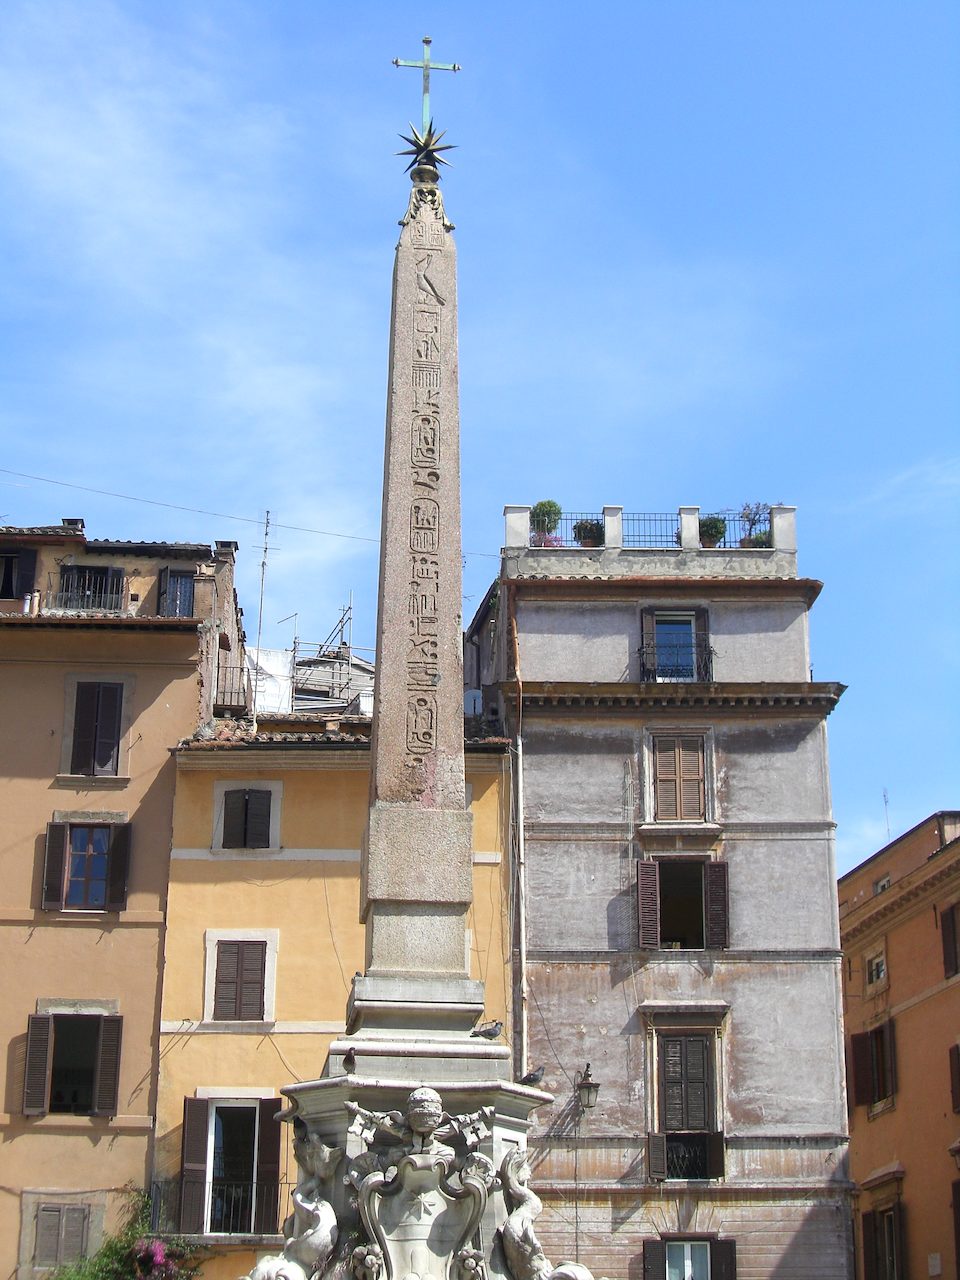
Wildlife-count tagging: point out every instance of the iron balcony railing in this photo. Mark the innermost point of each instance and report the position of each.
(651, 529)
(744, 529)
(88, 595)
(688, 1155)
(572, 529)
(218, 1207)
(689, 659)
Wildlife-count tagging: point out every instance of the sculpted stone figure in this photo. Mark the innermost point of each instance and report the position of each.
(521, 1248)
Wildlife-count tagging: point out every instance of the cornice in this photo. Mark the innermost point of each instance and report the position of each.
(808, 698)
(645, 586)
(894, 901)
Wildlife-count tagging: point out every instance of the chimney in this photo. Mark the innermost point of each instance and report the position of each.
(73, 523)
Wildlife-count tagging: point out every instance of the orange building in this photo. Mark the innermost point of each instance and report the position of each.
(900, 933)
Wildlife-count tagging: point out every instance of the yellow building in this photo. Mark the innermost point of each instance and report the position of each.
(263, 939)
(111, 652)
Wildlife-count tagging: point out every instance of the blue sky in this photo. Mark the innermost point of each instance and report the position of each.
(708, 254)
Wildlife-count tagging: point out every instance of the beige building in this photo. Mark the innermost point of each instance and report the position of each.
(263, 939)
(111, 652)
(900, 932)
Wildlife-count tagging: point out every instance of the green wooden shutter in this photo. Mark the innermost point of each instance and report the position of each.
(648, 904)
(54, 866)
(654, 1260)
(252, 970)
(258, 820)
(84, 728)
(38, 1064)
(266, 1216)
(106, 1080)
(74, 1220)
(234, 819)
(948, 936)
(118, 869)
(666, 779)
(692, 793)
(46, 1251)
(193, 1165)
(107, 745)
(715, 906)
(226, 983)
(656, 1156)
(723, 1260)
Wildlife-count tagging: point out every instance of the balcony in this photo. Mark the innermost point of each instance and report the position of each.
(88, 590)
(217, 1207)
(688, 659)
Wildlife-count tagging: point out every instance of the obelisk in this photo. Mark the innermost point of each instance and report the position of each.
(417, 881)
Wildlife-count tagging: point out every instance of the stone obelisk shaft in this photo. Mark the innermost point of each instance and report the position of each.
(417, 872)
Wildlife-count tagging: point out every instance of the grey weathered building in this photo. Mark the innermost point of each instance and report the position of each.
(675, 905)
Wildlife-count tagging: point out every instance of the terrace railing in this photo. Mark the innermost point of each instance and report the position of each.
(656, 530)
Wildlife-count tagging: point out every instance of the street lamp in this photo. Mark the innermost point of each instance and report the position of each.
(587, 1089)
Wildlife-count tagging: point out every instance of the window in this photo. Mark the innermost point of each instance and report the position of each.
(881, 885)
(230, 1166)
(72, 1064)
(689, 1260)
(950, 937)
(246, 819)
(61, 1236)
(86, 866)
(688, 1144)
(874, 1065)
(239, 982)
(875, 970)
(175, 593)
(675, 645)
(90, 587)
(678, 779)
(17, 571)
(954, 1059)
(682, 904)
(883, 1243)
(96, 729)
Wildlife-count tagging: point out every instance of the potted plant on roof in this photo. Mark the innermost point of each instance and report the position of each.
(589, 532)
(753, 514)
(712, 530)
(544, 518)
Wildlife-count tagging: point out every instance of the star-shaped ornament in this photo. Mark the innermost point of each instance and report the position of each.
(425, 148)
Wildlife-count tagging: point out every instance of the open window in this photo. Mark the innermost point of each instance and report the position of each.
(17, 573)
(882, 1240)
(90, 589)
(230, 1166)
(675, 646)
(688, 1144)
(689, 1259)
(72, 1064)
(682, 904)
(86, 866)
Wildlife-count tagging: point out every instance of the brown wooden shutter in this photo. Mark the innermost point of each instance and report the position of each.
(46, 1251)
(890, 1058)
(54, 866)
(948, 936)
(118, 868)
(226, 981)
(716, 905)
(253, 962)
(266, 1217)
(723, 1260)
(73, 1232)
(692, 793)
(234, 819)
(107, 749)
(84, 728)
(955, 1197)
(648, 904)
(672, 1078)
(703, 667)
(955, 1077)
(163, 583)
(258, 820)
(899, 1234)
(26, 570)
(193, 1165)
(697, 1082)
(666, 779)
(868, 1237)
(106, 1080)
(656, 1156)
(38, 1064)
(654, 1260)
(861, 1060)
(716, 1155)
(648, 640)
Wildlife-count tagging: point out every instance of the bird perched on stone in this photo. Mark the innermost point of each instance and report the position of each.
(349, 1060)
(532, 1077)
(488, 1030)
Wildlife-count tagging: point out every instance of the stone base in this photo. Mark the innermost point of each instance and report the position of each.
(437, 1006)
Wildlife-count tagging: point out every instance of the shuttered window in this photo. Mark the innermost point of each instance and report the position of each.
(246, 818)
(175, 593)
(72, 1064)
(874, 1065)
(96, 729)
(17, 571)
(244, 1181)
(61, 1235)
(688, 1144)
(950, 939)
(239, 983)
(882, 1242)
(86, 866)
(699, 1259)
(682, 904)
(679, 789)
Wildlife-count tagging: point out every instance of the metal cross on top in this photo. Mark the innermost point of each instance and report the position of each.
(427, 67)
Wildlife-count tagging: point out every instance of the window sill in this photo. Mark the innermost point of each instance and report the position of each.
(253, 850)
(240, 1240)
(681, 826)
(90, 782)
(57, 1122)
(880, 1108)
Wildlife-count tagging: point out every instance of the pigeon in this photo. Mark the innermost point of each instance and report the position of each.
(532, 1077)
(488, 1030)
(349, 1060)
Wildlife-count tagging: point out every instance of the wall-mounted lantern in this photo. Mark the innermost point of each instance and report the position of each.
(587, 1089)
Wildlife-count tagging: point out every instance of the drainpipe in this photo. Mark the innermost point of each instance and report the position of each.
(521, 841)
